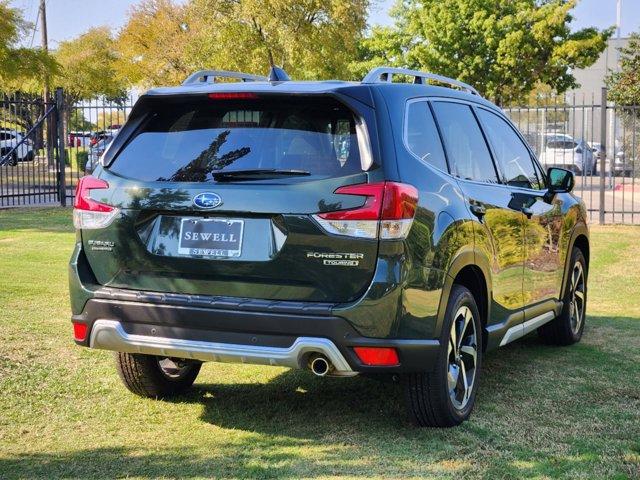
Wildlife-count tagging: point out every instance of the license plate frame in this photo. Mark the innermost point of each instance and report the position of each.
(202, 251)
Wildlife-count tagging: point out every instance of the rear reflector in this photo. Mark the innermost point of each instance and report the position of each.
(233, 96)
(88, 213)
(387, 212)
(80, 331)
(377, 356)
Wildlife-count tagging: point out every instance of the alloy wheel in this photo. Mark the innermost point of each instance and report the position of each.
(462, 357)
(577, 299)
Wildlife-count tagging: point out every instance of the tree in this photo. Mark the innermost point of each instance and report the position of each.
(153, 44)
(502, 47)
(87, 67)
(78, 122)
(624, 85)
(624, 90)
(110, 117)
(162, 43)
(384, 46)
(19, 66)
(309, 38)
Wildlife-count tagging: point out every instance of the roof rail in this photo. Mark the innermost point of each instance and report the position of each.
(385, 75)
(203, 76)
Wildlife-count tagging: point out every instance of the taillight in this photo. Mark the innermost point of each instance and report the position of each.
(88, 213)
(378, 356)
(80, 331)
(387, 213)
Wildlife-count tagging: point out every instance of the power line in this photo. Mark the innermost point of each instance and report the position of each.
(35, 29)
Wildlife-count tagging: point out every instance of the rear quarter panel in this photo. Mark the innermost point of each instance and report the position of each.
(412, 276)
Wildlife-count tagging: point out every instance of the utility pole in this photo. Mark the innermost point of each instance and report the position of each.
(613, 121)
(45, 41)
(618, 18)
(50, 128)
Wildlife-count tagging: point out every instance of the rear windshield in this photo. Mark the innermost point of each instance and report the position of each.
(192, 140)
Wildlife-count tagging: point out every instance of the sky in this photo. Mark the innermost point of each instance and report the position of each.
(69, 18)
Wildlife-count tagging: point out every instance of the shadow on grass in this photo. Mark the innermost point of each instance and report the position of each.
(299, 426)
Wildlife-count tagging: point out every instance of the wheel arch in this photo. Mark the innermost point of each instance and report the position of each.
(579, 239)
(473, 275)
(582, 242)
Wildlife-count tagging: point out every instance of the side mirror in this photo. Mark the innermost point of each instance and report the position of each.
(560, 180)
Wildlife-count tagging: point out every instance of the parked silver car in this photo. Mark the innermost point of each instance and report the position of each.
(622, 165)
(565, 152)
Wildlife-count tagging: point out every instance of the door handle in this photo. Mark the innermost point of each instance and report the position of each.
(528, 212)
(478, 210)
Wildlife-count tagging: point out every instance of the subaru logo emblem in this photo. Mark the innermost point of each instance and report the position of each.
(207, 200)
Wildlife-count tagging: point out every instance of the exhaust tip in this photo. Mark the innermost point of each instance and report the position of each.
(319, 365)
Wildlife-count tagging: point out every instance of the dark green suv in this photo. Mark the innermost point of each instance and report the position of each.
(374, 227)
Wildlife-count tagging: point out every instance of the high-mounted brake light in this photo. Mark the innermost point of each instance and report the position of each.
(387, 212)
(233, 96)
(88, 213)
(378, 356)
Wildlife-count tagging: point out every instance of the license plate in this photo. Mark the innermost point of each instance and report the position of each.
(211, 237)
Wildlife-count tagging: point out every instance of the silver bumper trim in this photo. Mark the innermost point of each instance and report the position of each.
(110, 335)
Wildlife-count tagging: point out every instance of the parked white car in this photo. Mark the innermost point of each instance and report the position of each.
(565, 152)
(9, 139)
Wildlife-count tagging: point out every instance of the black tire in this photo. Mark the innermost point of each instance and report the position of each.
(567, 328)
(428, 394)
(144, 376)
(13, 162)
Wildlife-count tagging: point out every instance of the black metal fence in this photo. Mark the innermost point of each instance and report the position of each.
(598, 142)
(30, 157)
(90, 127)
(62, 141)
(46, 146)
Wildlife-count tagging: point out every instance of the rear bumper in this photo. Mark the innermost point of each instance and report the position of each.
(110, 335)
(239, 334)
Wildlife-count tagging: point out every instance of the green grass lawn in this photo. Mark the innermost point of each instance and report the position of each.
(542, 412)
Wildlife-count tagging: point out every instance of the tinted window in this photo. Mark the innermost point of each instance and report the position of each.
(511, 153)
(6, 136)
(467, 150)
(562, 144)
(422, 136)
(190, 141)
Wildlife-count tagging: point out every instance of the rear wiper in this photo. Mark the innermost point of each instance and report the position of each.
(257, 174)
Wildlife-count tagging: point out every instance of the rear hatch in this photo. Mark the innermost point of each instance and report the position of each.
(560, 152)
(216, 195)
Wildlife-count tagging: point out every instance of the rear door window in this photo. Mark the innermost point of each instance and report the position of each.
(511, 152)
(421, 135)
(467, 150)
(191, 141)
